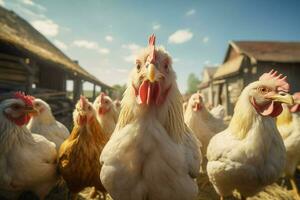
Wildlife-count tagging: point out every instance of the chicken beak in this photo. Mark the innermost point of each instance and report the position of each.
(30, 110)
(283, 98)
(151, 72)
(297, 101)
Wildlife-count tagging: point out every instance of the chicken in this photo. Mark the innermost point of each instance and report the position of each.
(218, 112)
(78, 159)
(201, 121)
(184, 106)
(117, 104)
(288, 124)
(45, 124)
(151, 154)
(107, 113)
(250, 153)
(27, 160)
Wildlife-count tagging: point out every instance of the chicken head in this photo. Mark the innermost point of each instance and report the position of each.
(153, 75)
(103, 104)
(84, 112)
(196, 102)
(267, 94)
(19, 108)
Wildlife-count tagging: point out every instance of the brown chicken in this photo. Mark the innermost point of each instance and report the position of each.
(79, 154)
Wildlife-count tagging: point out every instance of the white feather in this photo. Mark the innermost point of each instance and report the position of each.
(46, 125)
(27, 161)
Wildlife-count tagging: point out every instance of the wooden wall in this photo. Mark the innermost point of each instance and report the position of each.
(51, 78)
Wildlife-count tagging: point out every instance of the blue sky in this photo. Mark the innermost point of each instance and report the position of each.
(105, 35)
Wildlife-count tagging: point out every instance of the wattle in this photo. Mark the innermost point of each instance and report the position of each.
(102, 111)
(21, 120)
(272, 109)
(295, 108)
(149, 93)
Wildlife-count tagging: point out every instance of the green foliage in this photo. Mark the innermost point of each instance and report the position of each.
(192, 83)
(118, 90)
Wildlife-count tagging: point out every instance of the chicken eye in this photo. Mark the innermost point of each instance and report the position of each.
(89, 108)
(138, 67)
(166, 68)
(16, 107)
(263, 90)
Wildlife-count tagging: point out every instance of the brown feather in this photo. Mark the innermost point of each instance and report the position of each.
(78, 160)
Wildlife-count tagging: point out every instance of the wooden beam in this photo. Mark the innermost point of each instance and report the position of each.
(77, 89)
(94, 92)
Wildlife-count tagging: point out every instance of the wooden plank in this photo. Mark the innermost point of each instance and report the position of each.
(12, 65)
(10, 57)
(12, 71)
(13, 77)
(50, 94)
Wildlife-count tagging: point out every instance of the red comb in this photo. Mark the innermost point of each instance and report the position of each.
(83, 101)
(279, 79)
(25, 98)
(101, 97)
(151, 57)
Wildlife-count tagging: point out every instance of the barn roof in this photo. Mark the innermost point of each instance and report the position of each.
(19, 33)
(230, 67)
(210, 70)
(283, 52)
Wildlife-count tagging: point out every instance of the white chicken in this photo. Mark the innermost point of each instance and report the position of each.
(288, 124)
(44, 123)
(107, 113)
(27, 161)
(201, 121)
(250, 153)
(151, 154)
(117, 104)
(218, 112)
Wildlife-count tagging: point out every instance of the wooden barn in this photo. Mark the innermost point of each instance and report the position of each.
(245, 61)
(31, 63)
(206, 86)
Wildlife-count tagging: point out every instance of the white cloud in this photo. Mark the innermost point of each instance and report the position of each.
(33, 4)
(176, 60)
(85, 44)
(103, 50)
(133, 49)
(120, 70)
(91, 45)
(190, 12)
(207, 62)
(132, 46)
(156, 26)
(2, 3)
(130, 58)
(109, 38)
(180, 36)
(205, 39)
(46, 27)
(61, 45)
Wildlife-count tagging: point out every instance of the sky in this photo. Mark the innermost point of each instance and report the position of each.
(105, 35)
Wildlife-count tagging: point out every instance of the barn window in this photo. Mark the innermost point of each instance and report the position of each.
(70, 88)
(254, 70)
(88, 89)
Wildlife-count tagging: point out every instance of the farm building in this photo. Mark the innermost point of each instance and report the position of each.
(245, 61)
(206, 86)
(31, 63)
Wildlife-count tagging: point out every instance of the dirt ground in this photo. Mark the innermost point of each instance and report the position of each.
(206, 192)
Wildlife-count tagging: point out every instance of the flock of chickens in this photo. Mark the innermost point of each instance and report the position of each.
(152, 147)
